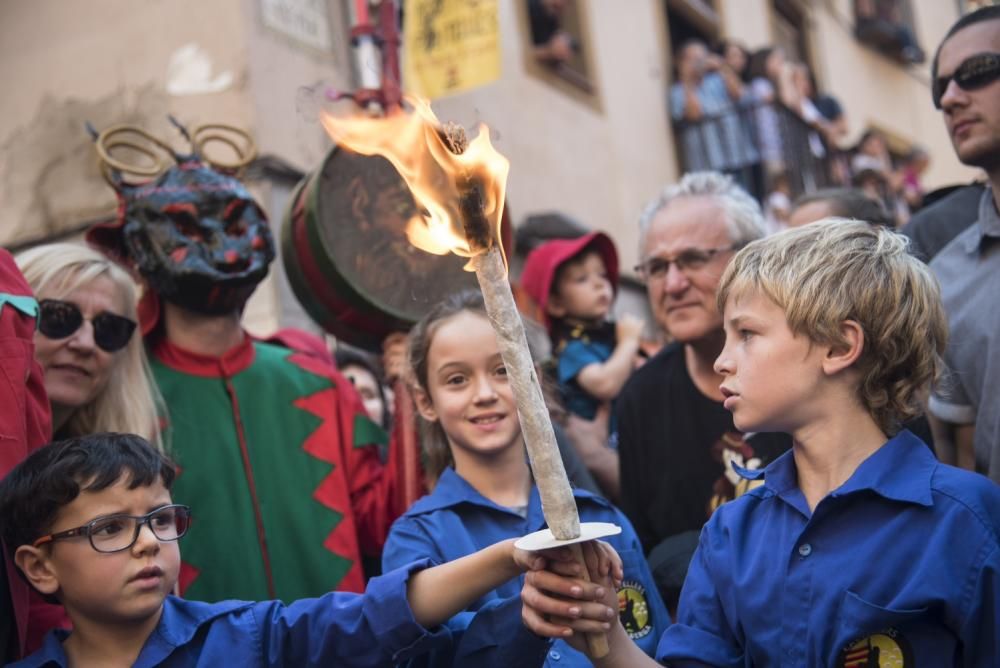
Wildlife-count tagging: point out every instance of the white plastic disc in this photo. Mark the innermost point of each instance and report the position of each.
(544, 540)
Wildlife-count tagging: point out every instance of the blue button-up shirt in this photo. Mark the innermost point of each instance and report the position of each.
(900, 563)
(338, 629)
(456, 520)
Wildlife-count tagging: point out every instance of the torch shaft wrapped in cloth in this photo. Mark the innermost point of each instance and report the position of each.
(546, 464)
(558, 504)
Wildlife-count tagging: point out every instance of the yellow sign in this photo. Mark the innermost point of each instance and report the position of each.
(449, 46)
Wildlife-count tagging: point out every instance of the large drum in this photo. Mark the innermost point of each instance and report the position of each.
(347, 257)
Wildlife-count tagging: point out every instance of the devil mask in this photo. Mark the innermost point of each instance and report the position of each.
(198, 238)
(194, 233)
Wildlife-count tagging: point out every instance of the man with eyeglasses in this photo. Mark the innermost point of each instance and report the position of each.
(966, 88)
(676, 441)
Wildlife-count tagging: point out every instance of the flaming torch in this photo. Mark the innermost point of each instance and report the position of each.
(460, 185)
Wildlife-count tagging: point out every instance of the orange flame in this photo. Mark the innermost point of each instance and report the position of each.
(413, 142)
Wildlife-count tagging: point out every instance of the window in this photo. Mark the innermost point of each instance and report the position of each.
(788, 28)
(558, 46)
(887, 26)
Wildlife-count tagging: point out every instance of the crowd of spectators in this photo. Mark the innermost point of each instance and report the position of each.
(761, 118)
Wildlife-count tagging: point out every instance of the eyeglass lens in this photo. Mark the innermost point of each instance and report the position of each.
(119, 532)
(58, 319)
(974, 72)
(688, 260)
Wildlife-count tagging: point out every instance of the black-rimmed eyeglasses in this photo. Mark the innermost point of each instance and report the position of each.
(114, 533)
(692, 259)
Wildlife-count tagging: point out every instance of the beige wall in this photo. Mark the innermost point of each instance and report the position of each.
(106, 61)
(63, 63)
(749, 21)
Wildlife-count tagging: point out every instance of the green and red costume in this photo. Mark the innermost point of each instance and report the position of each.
(276, 456)
(277, 459)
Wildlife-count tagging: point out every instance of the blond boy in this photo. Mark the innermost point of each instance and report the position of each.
(858, 548)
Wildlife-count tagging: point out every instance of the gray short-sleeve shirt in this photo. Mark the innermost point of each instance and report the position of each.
(968, 269)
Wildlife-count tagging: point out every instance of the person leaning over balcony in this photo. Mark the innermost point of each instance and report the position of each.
(966, 88)
(704, 104)
(770, 87)
(676, 442)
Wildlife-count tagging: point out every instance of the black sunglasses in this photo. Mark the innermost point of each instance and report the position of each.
(57, 320)
(975, 72)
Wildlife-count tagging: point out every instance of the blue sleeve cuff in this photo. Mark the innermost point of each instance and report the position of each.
(496, 638)
(398, 631)
(681, 644)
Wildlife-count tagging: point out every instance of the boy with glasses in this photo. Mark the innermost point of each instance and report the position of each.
(90, 522)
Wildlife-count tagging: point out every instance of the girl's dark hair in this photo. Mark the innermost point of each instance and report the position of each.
(51, 477)
(850, 203)
(437, 453)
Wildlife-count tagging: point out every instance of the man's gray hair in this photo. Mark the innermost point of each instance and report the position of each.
(744, 219)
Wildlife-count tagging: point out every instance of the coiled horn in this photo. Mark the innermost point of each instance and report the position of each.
(129, 136)
(235, 138)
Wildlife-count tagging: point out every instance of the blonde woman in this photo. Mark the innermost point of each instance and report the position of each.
(96, 373)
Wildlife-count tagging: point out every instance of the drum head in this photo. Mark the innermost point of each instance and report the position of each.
(347, 257)
(362, 211)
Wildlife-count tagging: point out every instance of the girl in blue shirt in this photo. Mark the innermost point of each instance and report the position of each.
(483, 491)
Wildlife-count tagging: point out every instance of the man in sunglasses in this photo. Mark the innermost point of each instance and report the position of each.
(676, 441)
(966, 88)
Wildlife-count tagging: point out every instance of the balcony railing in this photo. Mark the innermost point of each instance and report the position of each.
(757, 142)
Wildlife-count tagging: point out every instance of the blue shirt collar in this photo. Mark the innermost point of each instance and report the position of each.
(453, 490)
(901, 470)
(180, 621)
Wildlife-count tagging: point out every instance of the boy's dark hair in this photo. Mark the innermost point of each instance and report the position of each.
(52, 476)
(988, 13)
(851, 203)
(573, 261)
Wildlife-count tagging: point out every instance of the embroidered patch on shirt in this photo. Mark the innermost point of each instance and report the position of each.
(730, 449)
(633, 610)
(879, 650)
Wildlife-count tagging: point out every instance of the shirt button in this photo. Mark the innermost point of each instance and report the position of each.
(805, 549)
(554, 655)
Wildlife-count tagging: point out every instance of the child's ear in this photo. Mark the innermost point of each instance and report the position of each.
(554, 307)
(424, 405)
(34, 563)
(843, 355)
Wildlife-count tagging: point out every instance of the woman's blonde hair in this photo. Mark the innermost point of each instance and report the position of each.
(130, 402)
(834, 270)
